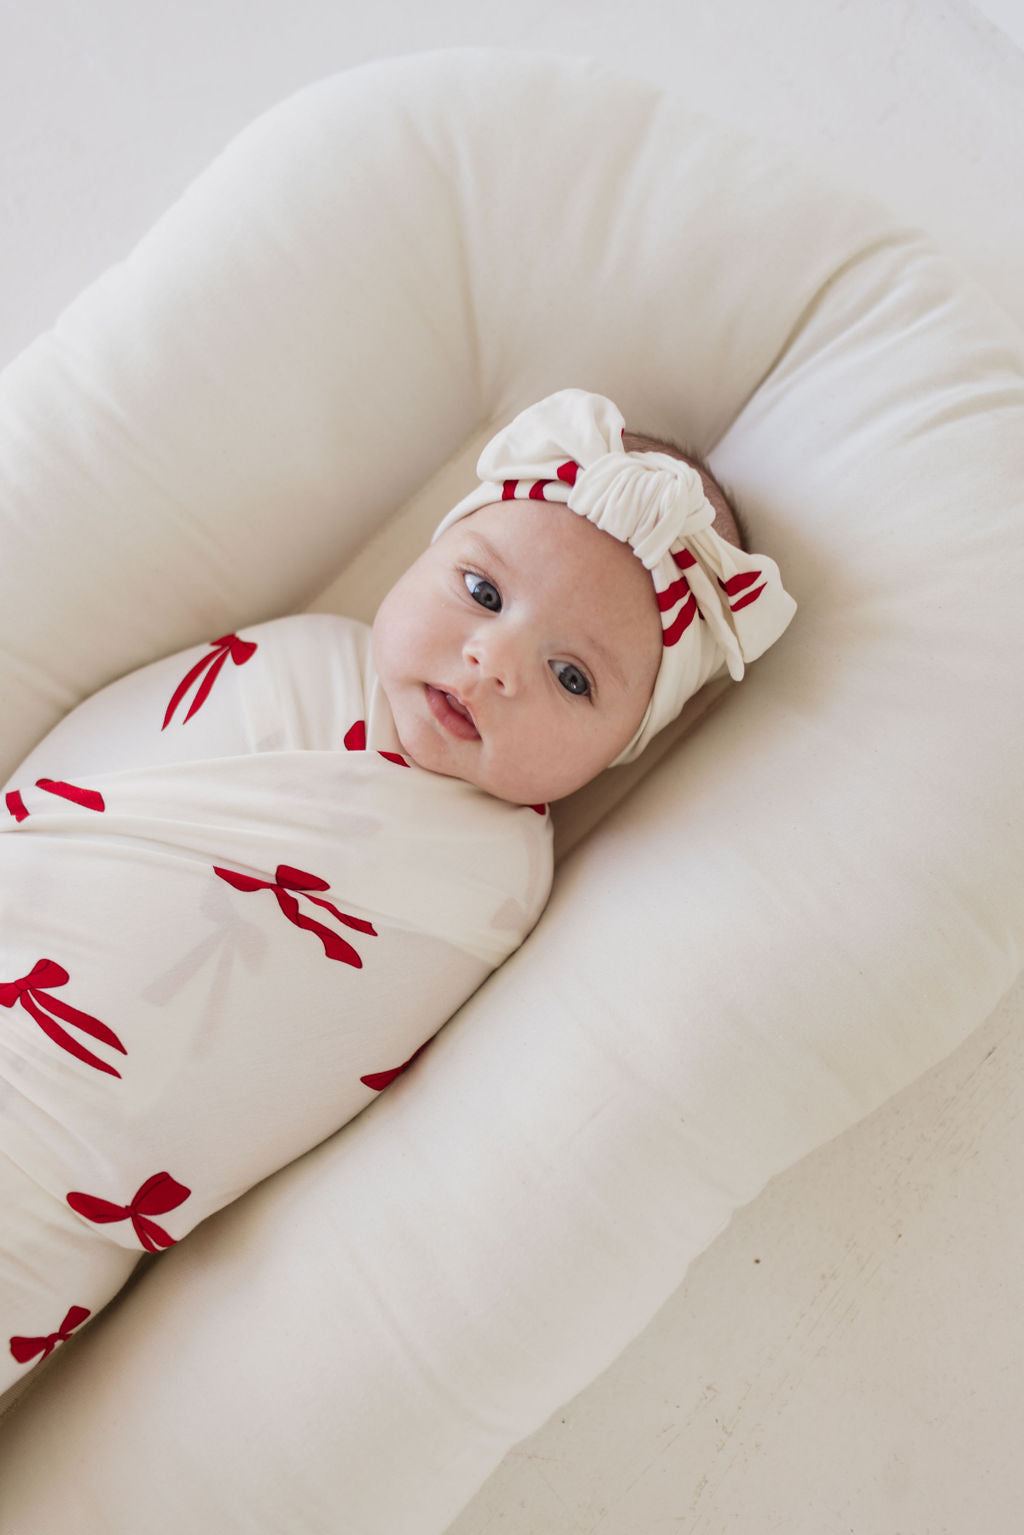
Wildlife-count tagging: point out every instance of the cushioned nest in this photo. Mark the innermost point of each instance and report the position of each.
(809, 894)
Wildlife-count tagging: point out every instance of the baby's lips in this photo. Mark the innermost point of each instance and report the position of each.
(452, 713)
(460, 707)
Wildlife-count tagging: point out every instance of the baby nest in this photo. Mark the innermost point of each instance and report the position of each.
(780, 916)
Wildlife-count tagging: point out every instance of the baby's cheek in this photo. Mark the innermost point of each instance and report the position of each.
(390, 641)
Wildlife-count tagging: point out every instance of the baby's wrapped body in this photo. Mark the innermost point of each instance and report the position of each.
(230, 912)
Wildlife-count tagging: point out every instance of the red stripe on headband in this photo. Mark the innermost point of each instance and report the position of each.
(672, 594)
(510, 489)
(682, 621)
(684, 559)
(738, 583)
(747, 600)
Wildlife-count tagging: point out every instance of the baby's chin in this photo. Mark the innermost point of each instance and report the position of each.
(525, 790)
(432, 756)
(515, 792)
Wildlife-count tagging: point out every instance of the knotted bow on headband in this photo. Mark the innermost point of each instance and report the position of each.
(720, 606)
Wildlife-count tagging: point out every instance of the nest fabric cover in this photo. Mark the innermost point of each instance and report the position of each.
(797, 910)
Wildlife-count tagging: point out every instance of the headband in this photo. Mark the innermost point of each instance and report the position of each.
(720, 606)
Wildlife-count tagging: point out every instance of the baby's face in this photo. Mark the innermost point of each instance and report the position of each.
(520, 651)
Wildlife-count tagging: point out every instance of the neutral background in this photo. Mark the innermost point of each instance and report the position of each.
(849, 1357)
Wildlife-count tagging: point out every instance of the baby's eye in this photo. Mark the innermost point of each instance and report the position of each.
(571, 678)
(482, 591)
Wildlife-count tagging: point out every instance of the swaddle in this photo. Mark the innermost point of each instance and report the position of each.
(230, 913)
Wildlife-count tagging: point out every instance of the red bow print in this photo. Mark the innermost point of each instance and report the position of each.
(240, 651)
(288, 879)
(45, 974)
(156, 1196)
(89, 799)
(16, 805)
(355, 741)
(379, 1080)
(25, 1349)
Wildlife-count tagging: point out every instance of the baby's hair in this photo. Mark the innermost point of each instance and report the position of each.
(727, 523)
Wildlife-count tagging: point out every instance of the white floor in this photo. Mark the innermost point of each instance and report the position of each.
(849, 1357)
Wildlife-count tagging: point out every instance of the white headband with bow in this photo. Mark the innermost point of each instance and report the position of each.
(719, 605)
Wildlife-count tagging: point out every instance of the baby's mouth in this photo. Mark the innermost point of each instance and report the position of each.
(449, 710)
(459, 706)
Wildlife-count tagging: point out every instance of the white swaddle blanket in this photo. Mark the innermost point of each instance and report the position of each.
(230, 913)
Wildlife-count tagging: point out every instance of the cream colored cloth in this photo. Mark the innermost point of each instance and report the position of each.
(720, 606)
(230, 914)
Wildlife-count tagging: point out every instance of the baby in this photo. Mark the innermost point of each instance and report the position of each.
(242, 888)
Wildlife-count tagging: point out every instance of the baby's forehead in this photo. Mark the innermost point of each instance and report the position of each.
(563, 557)
(547, 532)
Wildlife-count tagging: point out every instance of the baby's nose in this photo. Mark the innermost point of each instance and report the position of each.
(494, 657)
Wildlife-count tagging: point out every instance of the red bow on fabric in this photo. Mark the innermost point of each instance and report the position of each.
(156, 1196)
(288, 879)
(379, 1080)
(89, 799)
(29, 991)
(240, 651)
(25, 1349)
(355, 741)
